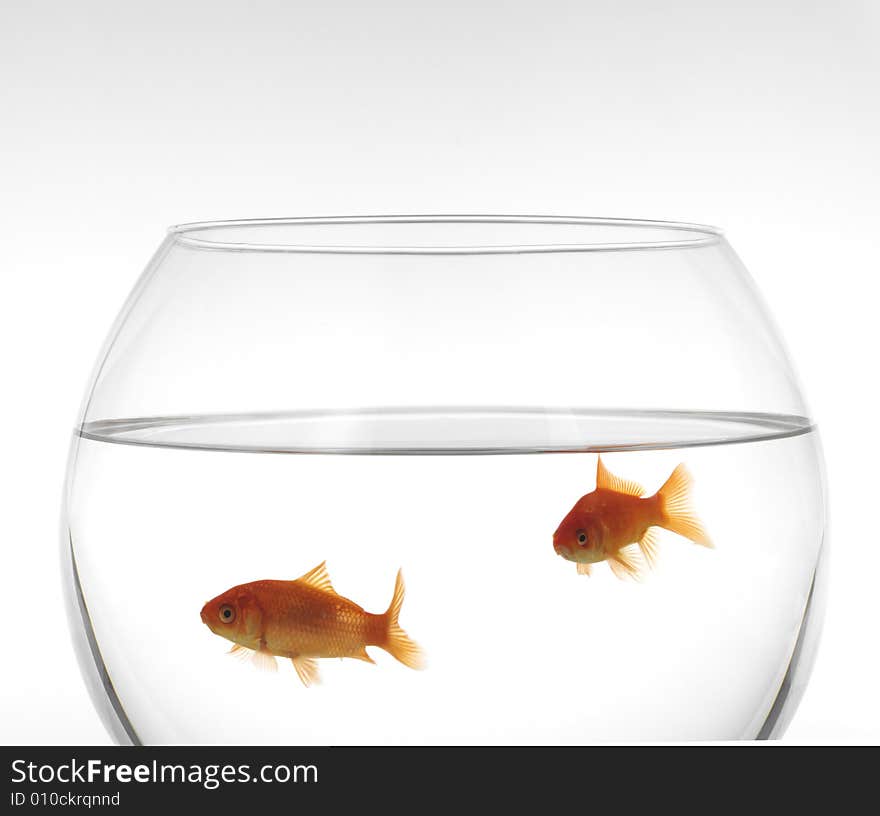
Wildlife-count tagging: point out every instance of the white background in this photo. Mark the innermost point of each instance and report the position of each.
(117, 119)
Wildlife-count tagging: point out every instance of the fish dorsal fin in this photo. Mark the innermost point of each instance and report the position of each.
(318, 578)
(606, 480)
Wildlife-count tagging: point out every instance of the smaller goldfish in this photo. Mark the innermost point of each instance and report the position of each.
(603, 524)
(306, 619)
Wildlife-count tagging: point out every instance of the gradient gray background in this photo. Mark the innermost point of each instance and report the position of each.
(117, 119)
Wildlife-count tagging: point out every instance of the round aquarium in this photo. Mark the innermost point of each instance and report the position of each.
(444, 480)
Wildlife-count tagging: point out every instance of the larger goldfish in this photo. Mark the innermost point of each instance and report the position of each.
(603, 524)
(306, 619)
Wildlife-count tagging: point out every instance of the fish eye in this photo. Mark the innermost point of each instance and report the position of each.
(582, 538)
(227, 613)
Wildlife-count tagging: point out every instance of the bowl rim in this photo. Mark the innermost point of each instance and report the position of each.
(702, 235)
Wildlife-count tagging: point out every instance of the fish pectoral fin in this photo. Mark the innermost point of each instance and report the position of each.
(628, 563)
(362, 655)
(584, 569)
(607, 480)
(319, 578)
(306, 669)
(240, 652)
(264, 661)
(649, 546)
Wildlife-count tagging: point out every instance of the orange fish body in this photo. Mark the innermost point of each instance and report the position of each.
(304, 620)
(603, 524)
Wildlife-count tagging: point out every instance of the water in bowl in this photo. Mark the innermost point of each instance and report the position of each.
(167, 512)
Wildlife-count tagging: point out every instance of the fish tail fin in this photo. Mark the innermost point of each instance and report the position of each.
(397, 642)
(677, 514)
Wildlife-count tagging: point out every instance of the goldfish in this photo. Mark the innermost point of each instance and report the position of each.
(304, 620)
(604, 524)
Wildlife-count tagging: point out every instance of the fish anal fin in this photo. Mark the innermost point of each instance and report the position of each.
(318, 578)
(649, 546)
(306, 670)
(584, 569)
(628, 563)
(362, 655)
(606, 480)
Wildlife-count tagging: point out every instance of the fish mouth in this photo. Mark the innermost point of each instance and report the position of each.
(204, 614)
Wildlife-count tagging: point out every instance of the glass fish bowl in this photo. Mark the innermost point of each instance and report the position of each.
(444, 480)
